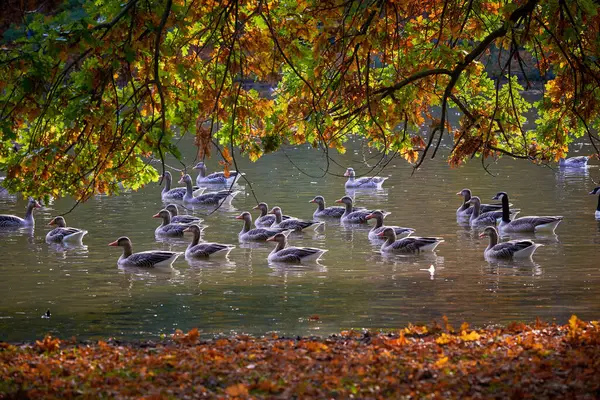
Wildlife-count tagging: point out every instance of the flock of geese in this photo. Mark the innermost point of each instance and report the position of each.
(273, 226)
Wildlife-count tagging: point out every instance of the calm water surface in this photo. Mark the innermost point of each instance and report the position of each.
(352, 287)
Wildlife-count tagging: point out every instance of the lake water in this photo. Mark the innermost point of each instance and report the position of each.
(352, 287)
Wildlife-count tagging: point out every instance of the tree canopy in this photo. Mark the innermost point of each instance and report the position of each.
(92, 90)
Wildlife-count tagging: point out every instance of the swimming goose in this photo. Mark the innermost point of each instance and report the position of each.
(216, 178)
(63, 234)
(257, 234)
(331, 211)
(12, 221)
(145, 259)
(167, 228)
(265, 219)
(510, 249)
(465, 210)
(411, 244)
(283, 253)
(524, 224)
(486, 218)
(292, 223)
(351, 215)
(204, 250)
(597, 213)
(374, 182)
(222, 197)
(177, 193)
(181, 219)
(379, 227)
(573, 162)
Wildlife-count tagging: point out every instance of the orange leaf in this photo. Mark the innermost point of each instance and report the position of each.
(237, 390)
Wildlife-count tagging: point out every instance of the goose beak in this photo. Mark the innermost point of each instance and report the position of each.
(186, 230)
(37, 205)
(346, 173)
(271, 212)
(157, 215)
(255, 208)
(52, 222)
(380, 234)
(312, 201)
(271, 239)
(339, 201)
(481, 235)
(370, 216)
(114, 244)
(459, 194)
(239, 217)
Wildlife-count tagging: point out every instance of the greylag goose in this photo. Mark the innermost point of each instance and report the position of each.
(63, 234)
(222, 197)
(177, 193)
(167, 228)
(181, 219)
(597, 213)
(510, 249)
(352, 215)
(144, 259)
(573, 162)
(524, 224)
(204, 250)
(465, 211)
(487, 218)
(373, 182)
(292, 223)
(411, 244)
(216, 178)
(265, 219)
(257, 234)
(12, 221)
(283, 253)
(331, 211)
(379, 227)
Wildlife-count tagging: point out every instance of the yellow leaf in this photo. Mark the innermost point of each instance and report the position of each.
(441, 362)
(471, 337)
(444, 339)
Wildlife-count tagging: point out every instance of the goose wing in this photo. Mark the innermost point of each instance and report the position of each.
(149, 258)
(263, 233)
(173, 229)
(358, 216)
(296, 254)
(413, 244)
(534, 221)
(10, 220)
(295, 224)
(185, 219)
(206, 249)
(508, 249)
(484, 208)
(60, 233)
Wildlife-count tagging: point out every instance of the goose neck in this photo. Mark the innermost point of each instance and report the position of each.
(196, 238)
(476, 209)
(29, 212)
(202, 171)
(263, 211)
(278, 217)
(166, 219)
(189, 192)
(378, 222)
(505, 209)
(127, 250)
(598, 206)
(247, 225)
(320, 205)
(493, 239)
(167, 179)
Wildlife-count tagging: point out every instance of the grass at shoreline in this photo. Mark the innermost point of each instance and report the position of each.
(521, 360)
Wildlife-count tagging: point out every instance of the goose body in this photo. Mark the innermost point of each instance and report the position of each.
(465, 210)
(181, 219)
(328, 212)
(216, 178)
(257, 234)
(265, 219)
(596, 191)
(222, 197)
(352, 215)
(525, 224)
(283, 253)
(510, 249)
(64, 234)
(12, 221)
(167, 228)
(169, 194)
(379, 227)
(292, 223)
(373, 182)
(408, 245)
(204, 250)
(145, 259)
(573, 162)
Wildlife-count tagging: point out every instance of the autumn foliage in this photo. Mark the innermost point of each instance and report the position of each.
(91, 93)
(535, 361)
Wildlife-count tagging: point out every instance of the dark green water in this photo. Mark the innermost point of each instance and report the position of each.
(353, 287)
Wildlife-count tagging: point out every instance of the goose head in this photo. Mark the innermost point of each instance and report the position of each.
(275, 210)
(262, 207)
(200, 165)
(375, 215)
(318, 200)
(58, 221)
(164, 214)
(349, 172)
(123, 241)
(500, 196)
(596, 190)
(347, 200)
(172, 208)
(195, 229)
(245, 216)
(279, 238)
(466, 193)
(186, 179)
(489, 231)
(475, 200)
(34, 203)
(388, 233)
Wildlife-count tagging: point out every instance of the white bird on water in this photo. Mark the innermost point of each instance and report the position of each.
(431, 270)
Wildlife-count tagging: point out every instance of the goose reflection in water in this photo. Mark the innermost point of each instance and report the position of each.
(296, 270)
(523, 267)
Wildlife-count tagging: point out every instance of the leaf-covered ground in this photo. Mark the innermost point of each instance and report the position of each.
(536, 361)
